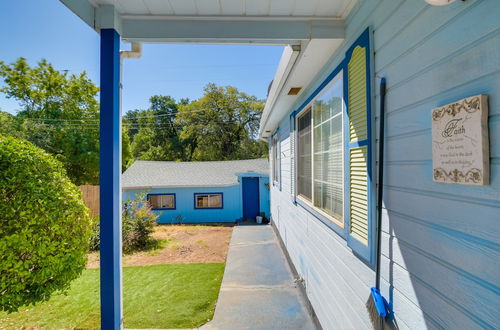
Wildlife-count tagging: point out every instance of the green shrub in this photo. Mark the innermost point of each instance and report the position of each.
(94, 240)
(138, 222)
(44, 226)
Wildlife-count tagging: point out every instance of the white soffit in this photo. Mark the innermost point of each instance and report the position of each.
(291, 8)
(312, 58)
(217, 21)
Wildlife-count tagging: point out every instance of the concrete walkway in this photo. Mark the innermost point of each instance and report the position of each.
(258, 289)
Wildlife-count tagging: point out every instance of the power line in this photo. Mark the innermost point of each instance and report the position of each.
(130, 125)
(123, 117)
(59, 120)
(42, 120)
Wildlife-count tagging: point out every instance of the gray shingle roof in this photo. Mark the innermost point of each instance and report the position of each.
(145, 174)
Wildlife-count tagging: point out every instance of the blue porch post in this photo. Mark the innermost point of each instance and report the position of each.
(109, 179)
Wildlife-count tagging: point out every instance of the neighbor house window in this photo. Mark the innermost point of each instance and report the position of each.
(276, 158)
(162, 201)
(321, 152)
(208, 201)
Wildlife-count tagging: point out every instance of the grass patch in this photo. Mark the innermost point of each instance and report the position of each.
(202, 243)
(158, 296)
(156, 245)
(175, 247)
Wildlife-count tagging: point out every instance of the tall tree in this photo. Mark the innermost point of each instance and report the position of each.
(222, 125)
(155, 133)
(59, 113)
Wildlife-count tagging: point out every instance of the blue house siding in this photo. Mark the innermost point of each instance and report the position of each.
(264, 196)
(184, 202)
(440, 243)
(230, 212)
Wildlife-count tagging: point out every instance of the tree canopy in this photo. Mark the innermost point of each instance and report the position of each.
(222, 125)
(154, 131)
(59, 112)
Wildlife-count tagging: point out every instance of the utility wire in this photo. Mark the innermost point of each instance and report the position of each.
(123, 117)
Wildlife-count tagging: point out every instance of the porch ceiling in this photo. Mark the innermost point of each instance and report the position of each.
(220, 21)
(229, 7)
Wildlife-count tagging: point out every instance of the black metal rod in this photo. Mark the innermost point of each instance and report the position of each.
(380, 187)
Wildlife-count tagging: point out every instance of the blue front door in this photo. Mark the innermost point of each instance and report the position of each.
(250, 198)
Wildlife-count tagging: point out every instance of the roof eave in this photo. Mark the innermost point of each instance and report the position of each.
(178, 186)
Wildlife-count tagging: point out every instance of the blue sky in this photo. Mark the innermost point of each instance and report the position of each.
(37, 29)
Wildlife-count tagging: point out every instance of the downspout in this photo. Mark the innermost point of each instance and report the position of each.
(135, 52)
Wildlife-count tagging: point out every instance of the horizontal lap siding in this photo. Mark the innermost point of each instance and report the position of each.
(184, 199)
(440, 243)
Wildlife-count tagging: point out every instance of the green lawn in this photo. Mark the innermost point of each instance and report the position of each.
(159, 296)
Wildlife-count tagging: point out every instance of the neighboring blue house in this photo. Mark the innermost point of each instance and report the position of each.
(195, 192)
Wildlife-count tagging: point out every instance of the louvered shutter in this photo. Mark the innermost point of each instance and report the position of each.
(278, 150)
(358, 134)
(292, 156)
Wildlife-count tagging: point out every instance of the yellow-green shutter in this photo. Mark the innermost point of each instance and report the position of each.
(358, 154)
(358, 194)
(292, 156)
(356, 69)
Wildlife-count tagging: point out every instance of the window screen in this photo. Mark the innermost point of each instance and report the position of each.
(328, 150)
(320, 151)
(166, 201)
(304, 166)
(208, 201)
(276, 159)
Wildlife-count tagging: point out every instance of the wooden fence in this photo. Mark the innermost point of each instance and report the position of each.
(90, 196)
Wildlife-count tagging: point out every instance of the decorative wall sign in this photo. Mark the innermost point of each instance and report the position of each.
(460, 150)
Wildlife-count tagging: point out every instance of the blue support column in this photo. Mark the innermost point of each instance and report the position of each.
(109, 179)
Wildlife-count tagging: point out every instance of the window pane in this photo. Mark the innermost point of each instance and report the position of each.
(276, 158)
(162, 201)
(201, 201)
(215, 201)
(168, 201)
(328, 150)
(155, 201)
(304, 166)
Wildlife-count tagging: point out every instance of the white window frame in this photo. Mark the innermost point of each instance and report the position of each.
(275, 151)
(310, 107)
(300, 114)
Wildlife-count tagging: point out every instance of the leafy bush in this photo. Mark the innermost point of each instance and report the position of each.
(44, 226)
(94, 240)
(138, 222)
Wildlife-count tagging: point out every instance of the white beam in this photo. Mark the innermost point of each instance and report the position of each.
(211, 29)
(240, 30)
(107, 17)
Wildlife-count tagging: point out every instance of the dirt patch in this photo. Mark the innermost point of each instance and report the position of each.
(180, 244)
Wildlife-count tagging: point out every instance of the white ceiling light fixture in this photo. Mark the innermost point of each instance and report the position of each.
(439, 2)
